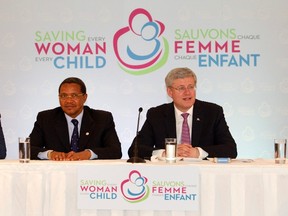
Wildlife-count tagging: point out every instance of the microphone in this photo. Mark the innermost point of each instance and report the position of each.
(139, 112)
(135, 158)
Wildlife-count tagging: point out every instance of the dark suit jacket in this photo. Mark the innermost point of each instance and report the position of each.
(209, 130)
(2, 143)
(97, 133)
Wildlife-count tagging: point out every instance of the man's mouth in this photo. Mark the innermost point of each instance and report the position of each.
(69, 107)
(187, 98)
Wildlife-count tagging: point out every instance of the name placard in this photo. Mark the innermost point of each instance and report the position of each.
(138, 187)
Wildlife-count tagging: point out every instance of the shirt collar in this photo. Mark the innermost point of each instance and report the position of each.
(178, 112)
(79, 117)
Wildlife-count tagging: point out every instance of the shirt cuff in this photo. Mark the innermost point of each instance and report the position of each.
(202, 154)
(93, 155)
(44, 155)
(158, 153)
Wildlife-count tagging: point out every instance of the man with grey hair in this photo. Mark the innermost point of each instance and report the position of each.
(206, 133)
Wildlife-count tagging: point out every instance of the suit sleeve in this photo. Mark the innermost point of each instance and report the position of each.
(2, 143)
(109, 146)
(37, 138)
(223, 143)
(146, 141)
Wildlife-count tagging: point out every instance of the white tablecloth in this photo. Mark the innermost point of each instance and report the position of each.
(238, 188)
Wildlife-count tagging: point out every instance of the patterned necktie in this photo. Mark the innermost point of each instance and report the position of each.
(185, 137)
(75, 136)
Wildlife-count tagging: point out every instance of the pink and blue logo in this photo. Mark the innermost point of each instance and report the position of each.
(135, 188)
(140, 47)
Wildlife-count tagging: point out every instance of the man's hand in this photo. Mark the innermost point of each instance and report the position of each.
(186, 150)
(84, 155)
(57, 156)
(70, 156)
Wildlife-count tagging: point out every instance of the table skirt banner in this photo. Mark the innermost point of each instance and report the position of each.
(138, 187)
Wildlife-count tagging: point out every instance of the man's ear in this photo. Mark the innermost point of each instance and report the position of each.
(169, 91)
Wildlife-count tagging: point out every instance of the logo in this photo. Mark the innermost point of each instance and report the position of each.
(135, 188)
(140, 47)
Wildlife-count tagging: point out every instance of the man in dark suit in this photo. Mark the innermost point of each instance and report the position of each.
(208, 130)
(54, 133)
(2, 143)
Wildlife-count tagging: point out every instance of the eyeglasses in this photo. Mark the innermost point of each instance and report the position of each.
(182, 89)
(73, 96)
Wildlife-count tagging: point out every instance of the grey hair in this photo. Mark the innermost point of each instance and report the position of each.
(179, 73)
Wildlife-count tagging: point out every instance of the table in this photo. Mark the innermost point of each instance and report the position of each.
(43, 188)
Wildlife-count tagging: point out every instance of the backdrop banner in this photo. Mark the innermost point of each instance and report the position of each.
(123, 50)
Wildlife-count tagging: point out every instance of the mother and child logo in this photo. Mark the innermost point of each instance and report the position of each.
(135, 188)
(144, 32)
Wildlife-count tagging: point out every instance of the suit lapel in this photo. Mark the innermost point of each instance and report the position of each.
(62, 130)
(85, 132)
(196, 123)
(170, 122)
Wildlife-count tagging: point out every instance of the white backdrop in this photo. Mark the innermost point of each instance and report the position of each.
(250, 82)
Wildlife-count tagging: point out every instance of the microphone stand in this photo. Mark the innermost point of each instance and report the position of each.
(135, 158)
